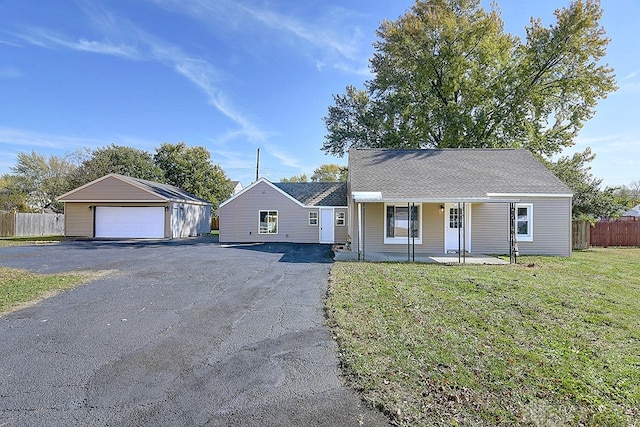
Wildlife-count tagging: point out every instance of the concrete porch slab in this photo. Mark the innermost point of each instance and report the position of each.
(424, 258)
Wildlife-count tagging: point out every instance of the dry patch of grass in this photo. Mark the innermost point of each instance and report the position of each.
(21, 288)
(551, 341)
(21, 241)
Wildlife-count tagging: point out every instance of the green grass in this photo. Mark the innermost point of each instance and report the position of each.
(20, 241)
(551, 341)
(20, 287)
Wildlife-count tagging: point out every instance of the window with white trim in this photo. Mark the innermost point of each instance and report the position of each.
(313, 218)
(340, 218)
(524, 222)
(399, 221)
(268, 222)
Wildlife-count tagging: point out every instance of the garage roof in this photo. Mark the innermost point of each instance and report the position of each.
(119, 188)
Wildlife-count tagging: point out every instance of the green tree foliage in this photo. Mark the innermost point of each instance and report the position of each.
(118, 159)
(589, 199)
(329, 173)
(296, 178)
(191, 169)
(447, 75)
(12, 198)
(41, 178)
(629, 195)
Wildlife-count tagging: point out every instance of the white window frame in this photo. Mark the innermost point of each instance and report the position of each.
(529, 236)
(403, 240)
(313, 221)
(341, 219)
(269, 213)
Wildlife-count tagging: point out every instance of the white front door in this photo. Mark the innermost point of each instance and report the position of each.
(457, 231)
(326, 225)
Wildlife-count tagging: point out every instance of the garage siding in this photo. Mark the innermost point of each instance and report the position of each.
(111, 189)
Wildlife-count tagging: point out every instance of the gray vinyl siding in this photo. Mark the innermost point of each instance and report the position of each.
(490, 228)
(239, 218)
(341, 231)
(192, 220)
(432, 230)
(551, 227)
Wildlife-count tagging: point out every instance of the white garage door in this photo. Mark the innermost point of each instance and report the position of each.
(142, 222)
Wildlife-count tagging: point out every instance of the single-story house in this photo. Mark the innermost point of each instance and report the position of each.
(301, 212)
(485, 201)
(415, 202)
(118, 206)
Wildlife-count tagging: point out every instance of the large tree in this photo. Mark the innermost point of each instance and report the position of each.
(113, 158)
(191, 169)
(590, 200)
(41, 178)
(329, 173)
(445, 74)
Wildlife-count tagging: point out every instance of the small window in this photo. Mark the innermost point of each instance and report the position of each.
(268, 222)
(313, 218)
(340, 218)
(524, 222)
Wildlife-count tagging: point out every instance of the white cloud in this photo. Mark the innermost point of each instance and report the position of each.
(328, 38)
(31, 139)
(50, 40)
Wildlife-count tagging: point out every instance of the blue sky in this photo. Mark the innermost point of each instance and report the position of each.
(235, 75)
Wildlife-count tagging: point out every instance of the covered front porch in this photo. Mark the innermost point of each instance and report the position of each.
(431, 230)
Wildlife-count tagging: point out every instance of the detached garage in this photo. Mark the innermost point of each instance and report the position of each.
(117, 206)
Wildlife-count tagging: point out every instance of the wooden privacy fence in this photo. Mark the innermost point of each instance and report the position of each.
(581, 232)
(31, 224)
(615, 233)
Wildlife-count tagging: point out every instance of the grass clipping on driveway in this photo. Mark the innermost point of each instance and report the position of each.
(551, 341)
(20, 288)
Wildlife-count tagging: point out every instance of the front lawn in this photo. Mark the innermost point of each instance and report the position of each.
(550, 341)
(20, 241)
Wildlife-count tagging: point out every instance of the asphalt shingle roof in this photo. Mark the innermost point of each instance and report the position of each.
(316, 193)
(165, 190)
(450, 173)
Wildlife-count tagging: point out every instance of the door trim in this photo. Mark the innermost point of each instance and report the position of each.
(466, 225)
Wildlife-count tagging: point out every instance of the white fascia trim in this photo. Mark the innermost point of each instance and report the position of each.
(366, 196)
(270, 184)
(528, 195)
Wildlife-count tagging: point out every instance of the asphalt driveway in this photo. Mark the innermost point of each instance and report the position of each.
(185, 332)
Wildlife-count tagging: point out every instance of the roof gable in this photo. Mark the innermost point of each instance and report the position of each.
(450, 173)
(120, 188)
(304, 193)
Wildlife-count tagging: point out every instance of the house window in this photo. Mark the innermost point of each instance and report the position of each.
(313, 218)
(268, 222)
(340, 218)
(524, 222)
(398, 224)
